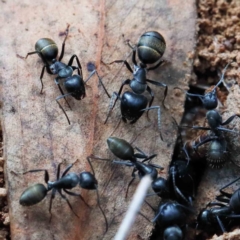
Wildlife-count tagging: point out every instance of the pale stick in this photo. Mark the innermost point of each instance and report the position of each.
(134, 208)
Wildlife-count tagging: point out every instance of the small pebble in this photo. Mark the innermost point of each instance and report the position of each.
(3, 192)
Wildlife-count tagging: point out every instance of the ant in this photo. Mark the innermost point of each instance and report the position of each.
(74, 84)
(171, 219)
(150, 48)
(124, 151)
(36, 193)
(209, 100)
(218, 148)
(222, 214)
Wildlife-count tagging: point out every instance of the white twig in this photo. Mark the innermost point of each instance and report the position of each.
(134, 208)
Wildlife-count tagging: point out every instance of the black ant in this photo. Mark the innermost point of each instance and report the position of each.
(74, 84)
(218, 147)
(218, 213)
(124, 151)
(171, 220)
(36, 193)
(150, 48)
(209, 100)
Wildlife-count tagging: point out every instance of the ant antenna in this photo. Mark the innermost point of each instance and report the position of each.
(98, 198)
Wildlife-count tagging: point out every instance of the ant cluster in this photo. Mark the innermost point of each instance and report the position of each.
(178, 190)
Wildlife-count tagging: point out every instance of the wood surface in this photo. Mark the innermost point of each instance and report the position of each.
(36, 133)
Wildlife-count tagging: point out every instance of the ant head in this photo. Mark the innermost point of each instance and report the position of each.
(173, 232)
(210, 100)
(214, 119)
(203, 217)
(88, 181)
(145, 169)
(160, 186)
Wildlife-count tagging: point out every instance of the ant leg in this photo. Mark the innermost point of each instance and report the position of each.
(46, 175)
(211, 204)
(233, 216)
(190, 94)
(134, 56)
(156, 166)
(65, 198)
(197, 127)
(98, 198)
(63, 44)
(41, 76)
(230, 119)
(220, 224)
(113, 101)
(177, 190)
(152, 98)
(130, 183)
(126, 82)
(112, 104)
(100, 80)
(143, 153)
(128, 164)
(30, 53)
(229, 184)
(94, 157)
(122, 61)
(76, 195)
(156, 66)
(60, 89)
(159, 116)
(98, 202)
(78, 63)
(91, 166)
(50, 204)
(63, 96)
(204, 141)
(186, 154)
(68, 168)
(160, 85)
(222, 77)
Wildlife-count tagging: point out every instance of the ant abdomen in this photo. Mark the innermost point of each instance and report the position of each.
(33, 195)
(120, 148)
(48, 49)
(151, 46)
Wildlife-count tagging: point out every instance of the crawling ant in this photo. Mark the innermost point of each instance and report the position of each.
(218, 148)
(124, 151)
(209, 100)
(36, 193)
(220, 214)
(47, 50)
(150, 49)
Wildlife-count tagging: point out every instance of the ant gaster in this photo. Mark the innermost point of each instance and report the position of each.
(74, 84)
(150, 48)
(36, 193)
